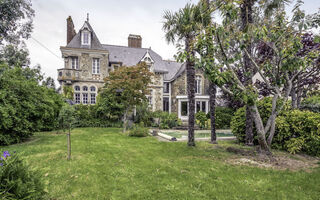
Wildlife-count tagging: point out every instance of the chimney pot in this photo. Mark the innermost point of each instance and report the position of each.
(134, 41)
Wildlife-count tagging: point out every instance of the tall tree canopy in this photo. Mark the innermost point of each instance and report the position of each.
(15, 20)
(128, 86)
(277, 37)
(183, 26)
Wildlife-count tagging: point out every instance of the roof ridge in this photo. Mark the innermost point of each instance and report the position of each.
(124, 46)
(168, 60)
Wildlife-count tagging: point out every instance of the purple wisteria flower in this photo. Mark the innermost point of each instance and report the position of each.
(6, 154)
(1, 164)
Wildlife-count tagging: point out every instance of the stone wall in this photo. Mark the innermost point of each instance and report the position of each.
(85, 63)
(157, 86)
(179, 87)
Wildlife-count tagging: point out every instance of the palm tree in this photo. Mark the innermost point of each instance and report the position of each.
(206, 21)
(182, 26)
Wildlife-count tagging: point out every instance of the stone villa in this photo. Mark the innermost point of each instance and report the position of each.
(87, 62)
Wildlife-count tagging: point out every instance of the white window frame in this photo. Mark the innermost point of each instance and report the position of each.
(83, 38)
(163, 105)
(77, 98)
(75, 88)
(93, 98)
(164, 87)
(92, 90)
(198, 84)
(95, 65)
(74, 62)
(85, 98)
(201, 106)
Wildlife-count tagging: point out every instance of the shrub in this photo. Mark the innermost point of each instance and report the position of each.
(87, 116)
(139, 131)
(26, 107)
(311, 103)
(143, 114)
(223, 117)
(17, 181)
(238, 121)
(167, 120)
(201, 119)
(296, 131)
(238, 125)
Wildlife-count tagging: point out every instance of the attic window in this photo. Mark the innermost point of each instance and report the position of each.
(147, 59)
(85, 38)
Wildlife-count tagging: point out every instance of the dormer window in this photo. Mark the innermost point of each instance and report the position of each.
(86, 37)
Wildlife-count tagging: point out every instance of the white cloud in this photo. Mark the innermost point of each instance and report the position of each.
(112, 21)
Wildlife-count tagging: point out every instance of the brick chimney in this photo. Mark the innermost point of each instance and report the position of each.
(134, 41)
(70, 29)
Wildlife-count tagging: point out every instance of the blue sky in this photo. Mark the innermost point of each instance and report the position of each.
(112, 21)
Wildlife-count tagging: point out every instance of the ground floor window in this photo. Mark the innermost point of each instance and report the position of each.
(85, 98)
(184, 108)
(77, 98)
(93, 98)
(166, 104)
(201, 106)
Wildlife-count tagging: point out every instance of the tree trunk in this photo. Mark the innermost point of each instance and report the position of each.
(125, 121)
(212, 101)
(69, 144)
(260, 130)
(299, 97)
(273, 119)
(246, 20)
(249, 128)
(191, 90)
(294, 99)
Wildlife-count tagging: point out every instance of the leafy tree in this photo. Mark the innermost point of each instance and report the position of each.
(67, 91)
(183, 26)
(15, 20)
(109, 105)
(127, 86)
(206, 20)
(67, 120)
(15, 55)
(49, 83)
(25, 106)
(279, 37)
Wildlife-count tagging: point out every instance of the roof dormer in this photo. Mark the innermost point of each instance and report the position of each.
(147, 58)
(85, 35)
(85, 38)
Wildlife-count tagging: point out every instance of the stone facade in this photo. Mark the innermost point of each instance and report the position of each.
(88, 62)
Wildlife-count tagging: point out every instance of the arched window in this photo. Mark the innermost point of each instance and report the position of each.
(77, 88)
(92, 89)
(85, 88)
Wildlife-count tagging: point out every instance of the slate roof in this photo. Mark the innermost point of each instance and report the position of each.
(76, 40)
(129, 56)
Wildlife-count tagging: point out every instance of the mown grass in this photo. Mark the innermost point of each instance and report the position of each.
(109, 165)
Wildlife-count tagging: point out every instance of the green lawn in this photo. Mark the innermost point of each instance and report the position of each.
(109, 165)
